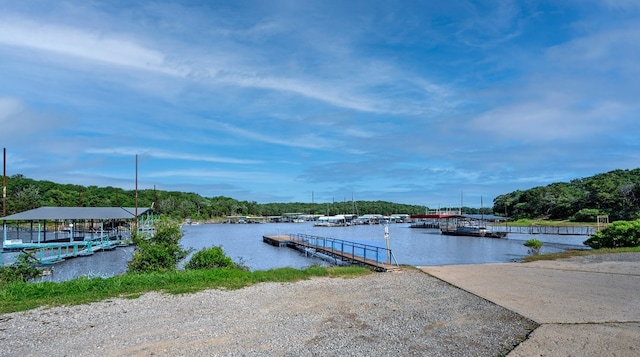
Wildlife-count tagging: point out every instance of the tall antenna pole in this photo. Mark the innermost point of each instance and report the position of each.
(136, 191)
(4, 182)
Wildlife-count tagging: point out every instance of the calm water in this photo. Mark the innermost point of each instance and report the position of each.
(243, 243)
(411, 246)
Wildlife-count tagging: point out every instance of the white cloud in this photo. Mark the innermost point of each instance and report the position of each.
(308, 141)
(339, 78)
(86, 44)
(17, 121)
(617, 49)
(160, 154)
(549, 120)
(209, 175)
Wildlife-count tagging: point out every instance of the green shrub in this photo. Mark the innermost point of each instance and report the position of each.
(210, 258)
(534, 246)
(159, 253)
(587, 215)
(23, 269)
(618, 234)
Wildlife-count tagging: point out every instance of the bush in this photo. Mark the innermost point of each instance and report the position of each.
(534, 246)
(587, 215)
(210, 258)
(23, 269)
(159, 253)
(618, 234)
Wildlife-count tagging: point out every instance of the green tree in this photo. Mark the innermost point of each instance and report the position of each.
(159, 253)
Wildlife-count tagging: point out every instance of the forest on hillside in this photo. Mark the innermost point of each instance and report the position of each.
(24, 194)
(615, 193)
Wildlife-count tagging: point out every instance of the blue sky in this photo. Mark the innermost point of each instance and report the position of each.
(288, 101)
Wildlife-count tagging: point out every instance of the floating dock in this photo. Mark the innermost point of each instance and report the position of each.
(51, 253)
(377, 258)
(277, 241)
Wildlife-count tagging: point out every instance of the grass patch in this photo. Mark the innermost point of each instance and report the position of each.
(578, 253)
(25, 296)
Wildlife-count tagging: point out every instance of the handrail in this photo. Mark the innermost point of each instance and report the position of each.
(369, 254)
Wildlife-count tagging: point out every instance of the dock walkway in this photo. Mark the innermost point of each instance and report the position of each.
(51, 253)
(378, 258)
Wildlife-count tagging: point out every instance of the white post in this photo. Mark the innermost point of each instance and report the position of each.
(4, 241)
(70, 232)
(386, 238)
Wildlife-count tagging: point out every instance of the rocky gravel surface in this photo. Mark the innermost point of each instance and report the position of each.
(408, 313)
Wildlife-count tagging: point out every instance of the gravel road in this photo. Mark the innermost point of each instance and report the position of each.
(385, 314)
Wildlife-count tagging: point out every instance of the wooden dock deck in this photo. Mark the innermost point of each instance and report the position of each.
(277, 240)
(346, 251)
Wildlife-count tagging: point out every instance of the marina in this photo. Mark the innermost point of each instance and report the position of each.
(416, 247)
(244, 243)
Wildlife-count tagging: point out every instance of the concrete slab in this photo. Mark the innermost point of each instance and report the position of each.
(587, 306)
(588, 340)
(547, 292)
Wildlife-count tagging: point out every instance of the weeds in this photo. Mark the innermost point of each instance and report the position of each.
(20, 296)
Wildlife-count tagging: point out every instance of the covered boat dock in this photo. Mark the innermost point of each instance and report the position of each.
(60, 232)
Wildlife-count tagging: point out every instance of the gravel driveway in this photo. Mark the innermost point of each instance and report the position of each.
(385, 314)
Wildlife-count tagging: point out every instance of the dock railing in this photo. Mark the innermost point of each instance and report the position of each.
(550, 230)
(377, 257)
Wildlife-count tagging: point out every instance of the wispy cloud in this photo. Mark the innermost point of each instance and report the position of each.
(278, 99)
(18, 120)
(84, 44)
(160, 154)
(348, 90)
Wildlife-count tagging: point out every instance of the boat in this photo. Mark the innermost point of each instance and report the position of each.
(369, 219)
(472, 231)
(340, 220)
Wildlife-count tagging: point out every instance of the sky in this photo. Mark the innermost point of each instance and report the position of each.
(415, 102)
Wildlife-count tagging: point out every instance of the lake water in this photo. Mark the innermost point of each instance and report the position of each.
(410, 246)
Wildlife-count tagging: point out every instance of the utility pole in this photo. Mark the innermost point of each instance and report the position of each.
(4, 182)
(136, 192)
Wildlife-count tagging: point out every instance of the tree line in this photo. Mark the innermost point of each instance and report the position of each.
(24, 194)
(615, 193)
